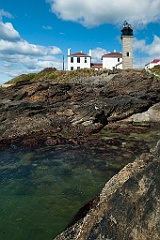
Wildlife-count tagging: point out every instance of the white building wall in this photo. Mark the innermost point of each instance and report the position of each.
(85, 62)
(151, 65)
(111, 62)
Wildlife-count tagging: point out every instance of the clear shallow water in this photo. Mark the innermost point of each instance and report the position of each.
(42, 189)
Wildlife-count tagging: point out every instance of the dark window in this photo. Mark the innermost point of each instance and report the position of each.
(85, 60)
(118, 60)
(72, 59)
(78, 67)
(78, 59)
(72, 68)
(128, 54)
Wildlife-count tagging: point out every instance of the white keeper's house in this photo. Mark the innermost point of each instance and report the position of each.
(112, 60)
(78, 60)
(81, 60)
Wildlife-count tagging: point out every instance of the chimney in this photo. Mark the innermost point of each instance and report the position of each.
(90, 53)
(69, 51)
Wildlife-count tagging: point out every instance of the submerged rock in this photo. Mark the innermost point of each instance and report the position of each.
(128, 207)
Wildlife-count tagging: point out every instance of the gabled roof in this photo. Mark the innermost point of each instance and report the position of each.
(155, 61)
(96, 65)
(112, 54)
(79, 54)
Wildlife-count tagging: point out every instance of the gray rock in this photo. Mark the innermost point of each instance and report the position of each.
(128, 207)
(87, 104)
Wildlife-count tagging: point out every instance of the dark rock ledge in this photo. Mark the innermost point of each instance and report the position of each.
(80, 107)
(128, 207)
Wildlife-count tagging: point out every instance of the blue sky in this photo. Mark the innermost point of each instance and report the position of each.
(35, 34)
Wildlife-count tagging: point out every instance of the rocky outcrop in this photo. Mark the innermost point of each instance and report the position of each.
(151, 115)
(128, 207)
(78, 107)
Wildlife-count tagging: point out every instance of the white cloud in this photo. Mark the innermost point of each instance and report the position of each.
(97, 54)
(5, 14)
(93, 13)
(18, 56)
(25, 48)
(14, 65)
(147, 52)
(139, 44)
(47, 27)
(7, 32)
(152, 49)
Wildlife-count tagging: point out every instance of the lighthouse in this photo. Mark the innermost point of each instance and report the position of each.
(127, 46)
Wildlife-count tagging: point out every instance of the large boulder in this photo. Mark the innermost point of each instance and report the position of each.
(151, 115)
(128, 207)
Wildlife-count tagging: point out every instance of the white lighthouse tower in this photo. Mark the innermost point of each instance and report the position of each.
(127, 46)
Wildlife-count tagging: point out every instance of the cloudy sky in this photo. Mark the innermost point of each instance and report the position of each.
(35, 34)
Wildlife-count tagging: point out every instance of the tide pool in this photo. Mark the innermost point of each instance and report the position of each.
(41, 189)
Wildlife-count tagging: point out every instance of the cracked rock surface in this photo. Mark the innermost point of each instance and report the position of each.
(128, 207)
(80, 106)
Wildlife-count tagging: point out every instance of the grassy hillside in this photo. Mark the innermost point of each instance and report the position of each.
(54, 75)
(23, 77)
(156, 69)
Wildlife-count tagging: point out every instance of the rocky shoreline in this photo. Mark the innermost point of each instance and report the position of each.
(78, 107)
(128, 206)
(76, 111)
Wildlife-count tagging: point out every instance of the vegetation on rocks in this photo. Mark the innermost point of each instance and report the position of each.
(59, 76)
(24, 77)
(156, 69)
(54, 75)
(75, 102)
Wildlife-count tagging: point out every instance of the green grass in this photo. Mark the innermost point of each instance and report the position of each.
(23, 77)
(54, 75)
(58, 76)
(156, 69)
(144, 123)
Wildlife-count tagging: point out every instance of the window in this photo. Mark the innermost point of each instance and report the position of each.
(118, 59)
(85, 60)
(78, 68)
(127, 54)
(72, 59)
(72, 68)
(78, 59)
